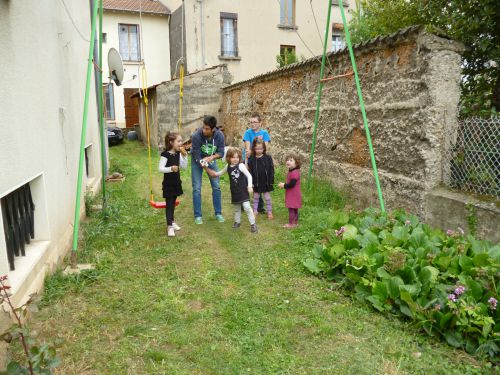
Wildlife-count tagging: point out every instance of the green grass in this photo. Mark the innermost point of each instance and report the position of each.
(218, 301)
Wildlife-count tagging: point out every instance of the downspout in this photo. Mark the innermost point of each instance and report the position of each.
(202, 32)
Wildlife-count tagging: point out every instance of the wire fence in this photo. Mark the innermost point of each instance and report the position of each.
(474, 160)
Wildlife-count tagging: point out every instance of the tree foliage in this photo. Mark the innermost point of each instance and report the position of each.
(476, 23)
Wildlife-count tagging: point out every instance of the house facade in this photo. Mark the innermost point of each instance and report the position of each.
(139, 30)
(41, 102)
(248, 36)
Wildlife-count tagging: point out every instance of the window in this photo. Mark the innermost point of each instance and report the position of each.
(337, 37)
(287, 55)
(104, 37)
(287, 12)
(229, 35)
(109, 102)
(129, 42)
(18, 222)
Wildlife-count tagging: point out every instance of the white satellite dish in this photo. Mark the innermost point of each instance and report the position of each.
(115, 65)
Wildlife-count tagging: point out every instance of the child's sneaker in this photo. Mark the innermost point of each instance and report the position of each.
(253, 228)
(289, 226)
(270, 215)
(236, 225)
(176, 227)
(198, 220)
(171, 231)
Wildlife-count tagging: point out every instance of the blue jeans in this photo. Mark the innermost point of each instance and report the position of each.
(196, 178)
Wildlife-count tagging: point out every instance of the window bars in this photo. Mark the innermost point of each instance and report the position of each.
(473, 162)
(18, 222)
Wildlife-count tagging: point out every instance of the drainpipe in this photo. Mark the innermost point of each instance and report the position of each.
(202, 31)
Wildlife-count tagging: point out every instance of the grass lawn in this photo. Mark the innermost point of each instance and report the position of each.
(215, 300)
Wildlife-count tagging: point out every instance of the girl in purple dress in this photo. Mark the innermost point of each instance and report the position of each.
(293, 195)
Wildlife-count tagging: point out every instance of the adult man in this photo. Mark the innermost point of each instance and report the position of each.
(250, 134)
(207, 146)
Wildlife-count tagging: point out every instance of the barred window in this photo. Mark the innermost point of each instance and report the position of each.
(18, 222)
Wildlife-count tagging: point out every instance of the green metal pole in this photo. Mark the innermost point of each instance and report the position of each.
(362, 106)
(320, 90)
(101, 115)
(82, 139)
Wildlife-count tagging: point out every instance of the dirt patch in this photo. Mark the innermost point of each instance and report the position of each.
(195, 305)
(359, 146)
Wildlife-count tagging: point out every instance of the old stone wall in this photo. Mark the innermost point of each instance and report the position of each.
(410, 84)
(202, 96)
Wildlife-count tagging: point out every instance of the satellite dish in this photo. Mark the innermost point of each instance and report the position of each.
(115, 65)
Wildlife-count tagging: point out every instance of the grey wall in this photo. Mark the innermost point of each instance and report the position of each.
(410, 82)
(176, 32)
(202, 96)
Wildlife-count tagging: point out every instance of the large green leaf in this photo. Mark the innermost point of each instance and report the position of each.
(312, 265)
(481, 260)
(428, 275)
(454, 338)
(408, 275)
(474, 288)
(382, 273)
(350, 232)
(400, 233)
(443, 262)
(411, 289)
(336, 251)
(379, 290)
(466, 263)
(393, 285)
(418, 238)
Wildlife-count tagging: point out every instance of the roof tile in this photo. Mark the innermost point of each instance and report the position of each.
(146, 6)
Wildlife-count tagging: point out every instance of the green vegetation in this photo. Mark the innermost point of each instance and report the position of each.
(472, 22)
(448, 283)
(218, 301)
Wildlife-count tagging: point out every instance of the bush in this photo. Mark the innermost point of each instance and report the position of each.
(447, 282)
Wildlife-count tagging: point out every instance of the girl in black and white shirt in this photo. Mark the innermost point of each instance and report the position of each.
(173, 158)
(240, 181)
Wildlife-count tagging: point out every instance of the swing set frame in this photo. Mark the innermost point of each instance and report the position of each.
(322, 81)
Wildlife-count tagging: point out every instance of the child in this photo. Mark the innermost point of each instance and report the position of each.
(171, 159)
(293, 196)
(261, 167)
(240, 181)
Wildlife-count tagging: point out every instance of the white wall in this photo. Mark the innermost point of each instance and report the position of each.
(156, 48)
(259, 37)
(41, 106)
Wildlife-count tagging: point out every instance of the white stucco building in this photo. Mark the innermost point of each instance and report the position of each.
(44, 48)
(139, 30)
(248, 35)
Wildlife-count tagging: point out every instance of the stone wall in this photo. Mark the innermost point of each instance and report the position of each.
(410, 83)
(202, 96)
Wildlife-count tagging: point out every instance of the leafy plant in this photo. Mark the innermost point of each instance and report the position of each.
(472, 22)
(286, 58)
(39, 359)
(447, 282)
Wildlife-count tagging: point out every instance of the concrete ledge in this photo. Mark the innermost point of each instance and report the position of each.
(447, 209)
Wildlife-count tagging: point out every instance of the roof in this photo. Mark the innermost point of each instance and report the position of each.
(136, 6)
(153, 87)
(317, 59)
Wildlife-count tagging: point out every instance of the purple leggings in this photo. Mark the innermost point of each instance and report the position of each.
(293, 216)
(267, 198)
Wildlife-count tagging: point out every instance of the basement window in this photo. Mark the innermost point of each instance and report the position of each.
(18, 215)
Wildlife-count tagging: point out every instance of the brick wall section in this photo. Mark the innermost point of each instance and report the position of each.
(410, 82)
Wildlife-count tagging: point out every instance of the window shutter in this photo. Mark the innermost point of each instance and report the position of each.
(123, 41)
(235, 36)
